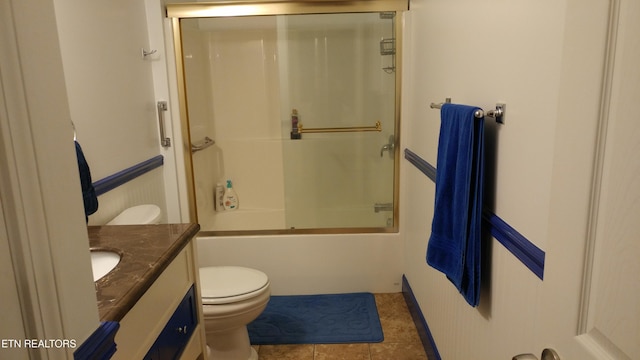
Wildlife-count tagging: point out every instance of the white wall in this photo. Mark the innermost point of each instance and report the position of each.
(108, 81)
(43, 222)
(61, 62)
(111, 93)
(480, 53)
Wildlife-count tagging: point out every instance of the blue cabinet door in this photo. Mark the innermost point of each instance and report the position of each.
(177, 332)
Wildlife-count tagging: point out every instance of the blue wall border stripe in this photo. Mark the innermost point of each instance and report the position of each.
(421, 164)
(428, 342)
(121, 177)
(100, 345)
(523, 249)
(529, 254)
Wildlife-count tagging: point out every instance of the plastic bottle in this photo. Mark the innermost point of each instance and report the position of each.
(219, 198)
(230, 198)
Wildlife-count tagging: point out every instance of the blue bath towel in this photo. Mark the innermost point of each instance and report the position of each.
(455, 244)
(88, 192)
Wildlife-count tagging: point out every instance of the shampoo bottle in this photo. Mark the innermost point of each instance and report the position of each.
(230, 198)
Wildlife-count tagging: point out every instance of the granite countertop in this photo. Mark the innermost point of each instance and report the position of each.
(146, 250)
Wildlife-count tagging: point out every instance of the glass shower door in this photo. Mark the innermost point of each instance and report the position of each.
(244, 76)
(339, 77)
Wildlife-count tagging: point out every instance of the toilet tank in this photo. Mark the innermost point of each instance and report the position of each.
(140, 214)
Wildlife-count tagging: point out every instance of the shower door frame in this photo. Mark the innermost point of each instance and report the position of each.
(239, 8)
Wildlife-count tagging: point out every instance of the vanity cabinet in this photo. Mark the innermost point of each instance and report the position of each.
(165, 323)
(179, 329)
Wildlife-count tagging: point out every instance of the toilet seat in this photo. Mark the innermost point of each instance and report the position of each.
(230, 284)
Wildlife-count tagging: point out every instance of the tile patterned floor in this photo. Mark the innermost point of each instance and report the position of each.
(401, 340)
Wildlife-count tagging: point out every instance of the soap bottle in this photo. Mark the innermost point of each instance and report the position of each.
(230, 198)
(219, 198)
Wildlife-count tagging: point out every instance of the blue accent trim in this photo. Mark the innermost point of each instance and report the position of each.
(121, 177)
(428, 342)
(421, 164)
(100, 345)
(527, 252)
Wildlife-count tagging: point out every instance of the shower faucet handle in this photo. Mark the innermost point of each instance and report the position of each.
(389, 146)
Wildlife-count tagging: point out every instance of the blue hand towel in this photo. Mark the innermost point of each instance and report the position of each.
(455, 243)
(88, 192)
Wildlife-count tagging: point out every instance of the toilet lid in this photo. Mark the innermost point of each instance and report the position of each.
(230, 281)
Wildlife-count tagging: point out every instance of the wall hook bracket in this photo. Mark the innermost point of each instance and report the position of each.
(146, 53)
(498, 113)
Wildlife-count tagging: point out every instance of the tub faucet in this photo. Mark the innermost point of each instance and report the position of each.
(377, 207)
(388, 147)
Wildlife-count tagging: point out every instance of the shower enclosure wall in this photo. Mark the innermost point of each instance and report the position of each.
(244, 76)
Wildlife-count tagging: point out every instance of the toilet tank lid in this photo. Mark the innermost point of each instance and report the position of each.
(228, 281)
(139, 214)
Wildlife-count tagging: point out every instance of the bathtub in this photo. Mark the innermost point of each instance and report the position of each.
(313, 264)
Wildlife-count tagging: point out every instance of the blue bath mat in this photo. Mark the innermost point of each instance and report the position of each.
(317, 319)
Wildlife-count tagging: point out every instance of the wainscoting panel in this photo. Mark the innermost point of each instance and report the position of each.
(527, 252)
(142, 183)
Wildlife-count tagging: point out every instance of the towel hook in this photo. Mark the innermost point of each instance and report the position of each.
(146, 53)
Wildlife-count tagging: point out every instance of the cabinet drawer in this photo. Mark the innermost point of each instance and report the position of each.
(179, 329)
(140, 328)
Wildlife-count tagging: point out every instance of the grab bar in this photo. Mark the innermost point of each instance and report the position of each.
(376, 127)
(162, 107)
(497, 114)
(202, 145)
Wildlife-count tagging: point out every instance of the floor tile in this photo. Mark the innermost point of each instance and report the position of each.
(397, 351)
(397, 324)
(392, 306)
(286, 352)
(342, 352)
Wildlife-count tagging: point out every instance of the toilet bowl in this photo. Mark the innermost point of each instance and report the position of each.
(140, 214)
(232, 297)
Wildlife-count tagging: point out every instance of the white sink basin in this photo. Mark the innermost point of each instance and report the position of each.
(102, 262)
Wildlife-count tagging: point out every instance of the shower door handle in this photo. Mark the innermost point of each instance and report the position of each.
(389, 147)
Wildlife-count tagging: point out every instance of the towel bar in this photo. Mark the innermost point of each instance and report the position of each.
(376, 127)
(497, 114)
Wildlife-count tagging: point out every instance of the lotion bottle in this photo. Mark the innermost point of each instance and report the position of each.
(230, 198)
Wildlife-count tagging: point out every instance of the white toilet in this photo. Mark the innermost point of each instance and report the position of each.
(140, 214)
(232, 297)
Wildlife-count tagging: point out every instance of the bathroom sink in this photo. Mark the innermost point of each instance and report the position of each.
(102, 262)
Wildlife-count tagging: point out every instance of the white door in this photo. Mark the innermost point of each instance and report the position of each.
(598, 306)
